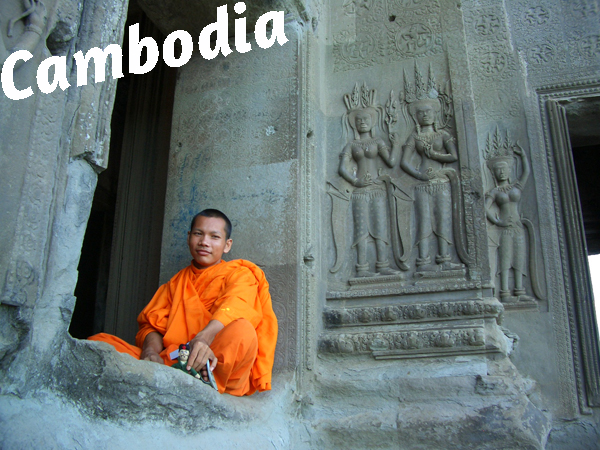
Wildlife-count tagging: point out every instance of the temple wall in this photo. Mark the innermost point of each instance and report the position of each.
(400, 169)
(234, 148)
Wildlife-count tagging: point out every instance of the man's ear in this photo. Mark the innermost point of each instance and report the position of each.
(227, 246)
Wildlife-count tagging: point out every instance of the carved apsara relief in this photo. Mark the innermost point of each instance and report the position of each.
(515, 239)
(402, 195)
(375, 196)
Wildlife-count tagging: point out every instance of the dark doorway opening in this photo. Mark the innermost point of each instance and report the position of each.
(583, 117)
(120, 256)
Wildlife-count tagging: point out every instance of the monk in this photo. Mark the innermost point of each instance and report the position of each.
(223, 309)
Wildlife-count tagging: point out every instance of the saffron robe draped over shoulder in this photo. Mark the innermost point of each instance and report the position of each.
(226, 292)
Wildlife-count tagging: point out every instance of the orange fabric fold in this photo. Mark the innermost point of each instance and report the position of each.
(225, 292)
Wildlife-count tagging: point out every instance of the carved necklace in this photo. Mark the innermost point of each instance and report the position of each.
(428, 138)
(365, 144)
(505, 188)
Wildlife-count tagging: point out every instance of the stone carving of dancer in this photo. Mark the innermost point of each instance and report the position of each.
(506, 197)
(433, 196)
(360, 165)
(35, 17)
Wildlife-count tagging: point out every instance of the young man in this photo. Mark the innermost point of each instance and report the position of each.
(223, 309)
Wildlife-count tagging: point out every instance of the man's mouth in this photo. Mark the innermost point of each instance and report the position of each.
(203, 252)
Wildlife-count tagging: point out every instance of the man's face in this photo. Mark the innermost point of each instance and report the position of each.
(207, 241)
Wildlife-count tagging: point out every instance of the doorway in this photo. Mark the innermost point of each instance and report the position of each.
(120, 258)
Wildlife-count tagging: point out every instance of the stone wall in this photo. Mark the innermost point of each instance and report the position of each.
(401, 171)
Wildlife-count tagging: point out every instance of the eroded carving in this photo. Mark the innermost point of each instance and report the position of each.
(590, 46)
(502, 209)
(18, 279)
(536, 15)
(583, 9)
(496, 103)
(35, 18)
(395, 29)
(541, 54)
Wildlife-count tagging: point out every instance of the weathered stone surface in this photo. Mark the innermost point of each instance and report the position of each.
(386, 356)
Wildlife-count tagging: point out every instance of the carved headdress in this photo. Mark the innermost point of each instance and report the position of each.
(426, 91)
(499, 149)
(361, 99)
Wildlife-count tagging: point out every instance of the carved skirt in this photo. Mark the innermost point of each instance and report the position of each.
(433, 204)
(369, 210)
(512, 252)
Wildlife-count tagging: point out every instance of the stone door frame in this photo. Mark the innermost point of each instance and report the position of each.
(583, 330)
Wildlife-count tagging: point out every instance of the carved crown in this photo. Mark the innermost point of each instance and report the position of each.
(498, 147)
(361, 97)
(422, 89)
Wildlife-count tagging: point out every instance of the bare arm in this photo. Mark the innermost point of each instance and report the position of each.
(390, 158)
(526, 169)
(153, 345)
(450, 146)
(489, 201)
(343, 170)
(405, 163)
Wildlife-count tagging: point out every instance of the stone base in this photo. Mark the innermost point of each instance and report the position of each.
(379, 279)
(515, 304)
(438, 275)
(360, 408)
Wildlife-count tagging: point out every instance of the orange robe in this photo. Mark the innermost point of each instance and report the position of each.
(235, 293)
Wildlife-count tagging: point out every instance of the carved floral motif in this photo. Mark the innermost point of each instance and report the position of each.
(590, 45)
(467, 339)
(541, 54)
(584, 9)
(384, 31)
(487, 25)
(536, 15)
(378, 315)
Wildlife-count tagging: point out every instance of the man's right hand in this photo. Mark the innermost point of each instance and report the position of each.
(150, 355)
(153, 345)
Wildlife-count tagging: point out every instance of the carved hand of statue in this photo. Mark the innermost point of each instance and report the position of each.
(39, 16)
(518, 150)
(427, 175)
(428, 150)
(509, 222)
(367, 180)
(394, 138)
